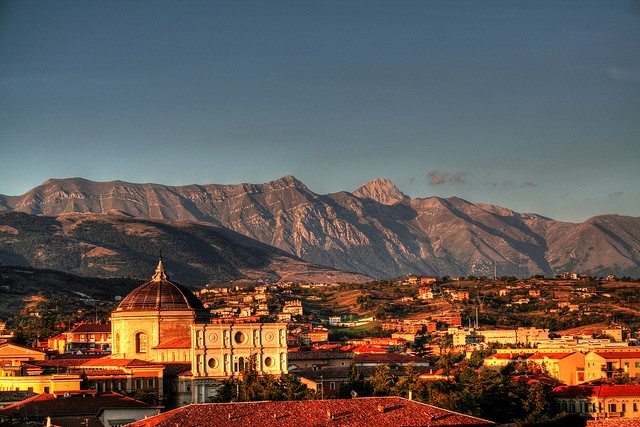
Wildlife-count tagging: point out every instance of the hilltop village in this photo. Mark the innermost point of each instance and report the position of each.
(497, 350)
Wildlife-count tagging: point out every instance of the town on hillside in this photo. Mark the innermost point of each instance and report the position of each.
(436, 351)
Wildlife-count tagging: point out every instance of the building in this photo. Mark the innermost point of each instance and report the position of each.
(15, 353)
(293, 307)
(566, 367)
(318, 359)
(311, 337)
(222, 351)
(88, 338)
(164, 322)
(426, 293)
(600, 402)
(393, 360)
(363, 412)
(335, 320)
(451, 318)
(77, 410)
(607, 363)
(500, 361)
(154, 321)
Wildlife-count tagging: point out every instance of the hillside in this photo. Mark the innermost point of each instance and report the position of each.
(103, 245)
(376, 230)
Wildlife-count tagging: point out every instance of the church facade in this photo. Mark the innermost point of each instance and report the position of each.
(164, 322)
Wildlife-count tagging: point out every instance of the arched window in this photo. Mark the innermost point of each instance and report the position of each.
(141, 342)
(239, 365)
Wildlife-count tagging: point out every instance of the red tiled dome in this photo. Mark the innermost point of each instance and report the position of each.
(160, 294)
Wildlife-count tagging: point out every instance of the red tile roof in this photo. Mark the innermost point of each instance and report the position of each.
(368, 349)
(108, 361)
(618, 354)
(388, 358)
(314, 355)
(624, 422)
(550, 355)
(89, 328)
(176, 368)
(598, 391)
(177, 342)
(361, 412)
(50, 405)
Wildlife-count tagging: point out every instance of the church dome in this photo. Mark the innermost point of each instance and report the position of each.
(160, 294)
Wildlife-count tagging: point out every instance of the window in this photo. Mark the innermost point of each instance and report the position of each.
(138, 383)
(332, 385)
(635, 406)
(624, 407)
(150, 382)
(141, 342)
(613, 407)
(241, 364)
(240, 338)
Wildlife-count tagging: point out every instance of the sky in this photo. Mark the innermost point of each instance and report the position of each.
(529, 105)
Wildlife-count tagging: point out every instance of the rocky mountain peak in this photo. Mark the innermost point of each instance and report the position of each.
(382, 191)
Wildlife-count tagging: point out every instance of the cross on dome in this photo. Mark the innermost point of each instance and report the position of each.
(159, 274)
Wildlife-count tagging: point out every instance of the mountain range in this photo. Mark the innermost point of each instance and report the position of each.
(375, 230)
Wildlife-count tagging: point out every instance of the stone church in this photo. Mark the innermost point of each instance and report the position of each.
(164, 322)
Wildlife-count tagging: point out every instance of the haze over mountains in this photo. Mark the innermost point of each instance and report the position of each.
(376, 230)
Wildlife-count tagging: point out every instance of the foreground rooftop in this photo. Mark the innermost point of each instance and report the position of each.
(361, 412)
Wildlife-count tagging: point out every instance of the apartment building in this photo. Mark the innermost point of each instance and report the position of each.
(607, 363)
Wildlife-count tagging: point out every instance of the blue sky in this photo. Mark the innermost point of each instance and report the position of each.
(533, 106)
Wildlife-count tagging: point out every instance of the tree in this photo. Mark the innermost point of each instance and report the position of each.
(354, 383)
(293, 389)
(538, 405)
(621, 377)
(381, 381)
(407, 382)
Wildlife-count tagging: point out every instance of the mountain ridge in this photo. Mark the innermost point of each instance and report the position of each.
(375, 230)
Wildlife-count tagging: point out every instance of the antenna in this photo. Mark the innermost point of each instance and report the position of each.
(477, 317)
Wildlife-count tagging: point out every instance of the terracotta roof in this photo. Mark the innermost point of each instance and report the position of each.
(388, 358)
(369, 349)
(623, 422)
(313, 355)
(361, 412)
(598, 391)
(49, 405)
(177, 342)
(108, 361)
(64, 362)
(15, 396)
(176, 368)
(618, 354)
(101, 372)
(551, 355)
(101, 328)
